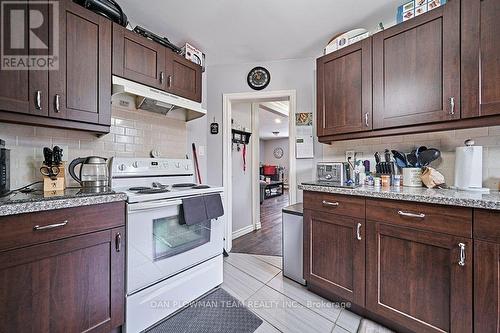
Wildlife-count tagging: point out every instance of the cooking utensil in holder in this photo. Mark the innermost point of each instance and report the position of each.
(54, 177)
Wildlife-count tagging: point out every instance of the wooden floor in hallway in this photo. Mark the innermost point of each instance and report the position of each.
(266, 240)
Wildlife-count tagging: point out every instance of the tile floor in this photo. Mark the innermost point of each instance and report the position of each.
(283, 305)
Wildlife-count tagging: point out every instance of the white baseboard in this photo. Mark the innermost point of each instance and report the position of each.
(242, 231)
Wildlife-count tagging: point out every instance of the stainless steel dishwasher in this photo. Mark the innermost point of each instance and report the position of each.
(293, 242)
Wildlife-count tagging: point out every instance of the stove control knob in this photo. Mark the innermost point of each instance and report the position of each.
(186, 167)
(122, 167)
(177, 165)
(135, 164)
(165, 165)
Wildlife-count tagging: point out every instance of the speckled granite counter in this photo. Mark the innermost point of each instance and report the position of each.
(434, 196)
(36, 201)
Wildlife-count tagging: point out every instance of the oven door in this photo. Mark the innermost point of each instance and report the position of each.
(159, 246)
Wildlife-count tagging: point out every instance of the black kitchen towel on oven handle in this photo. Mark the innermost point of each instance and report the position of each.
(193, 211)
(213, 205)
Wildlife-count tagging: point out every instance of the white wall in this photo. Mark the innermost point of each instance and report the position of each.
(242, 180)
(297, 74)
(268, 155)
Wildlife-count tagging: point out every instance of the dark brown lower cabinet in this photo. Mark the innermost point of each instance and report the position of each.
(334, 254)
(418, 279)
(63, 286)
(486, 286)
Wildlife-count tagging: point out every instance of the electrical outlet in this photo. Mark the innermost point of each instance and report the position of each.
(349, 155)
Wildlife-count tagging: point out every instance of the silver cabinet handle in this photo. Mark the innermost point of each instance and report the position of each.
(169, 81)
(330, 204)
(452, 105)
(38, 100)
(366, 120)
(162, 77)
(118, 242)
(461, 262)
(358, 231)
(50, 226)
(57, 103)
(419, 216)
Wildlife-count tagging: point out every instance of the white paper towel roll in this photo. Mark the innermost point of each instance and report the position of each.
(469, 167)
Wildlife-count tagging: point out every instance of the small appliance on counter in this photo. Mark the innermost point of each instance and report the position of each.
(469, 167)
(94, 173)
(333, 172)
(4, 169)
(293, 242)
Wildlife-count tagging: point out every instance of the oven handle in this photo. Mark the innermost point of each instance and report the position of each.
(153, 205)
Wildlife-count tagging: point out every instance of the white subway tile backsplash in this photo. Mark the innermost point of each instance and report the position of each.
(133, 134)
(447, 141)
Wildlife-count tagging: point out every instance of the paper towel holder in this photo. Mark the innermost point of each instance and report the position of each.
(466, 166)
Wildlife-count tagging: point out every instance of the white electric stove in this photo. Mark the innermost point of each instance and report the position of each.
(169, 264)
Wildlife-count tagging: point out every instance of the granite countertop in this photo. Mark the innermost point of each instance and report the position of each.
(450, 197)
(37, 200)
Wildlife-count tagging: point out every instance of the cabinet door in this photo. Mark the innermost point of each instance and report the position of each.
(137, 58)
(415, 278)
(22, 90)
(416, 70)
(344, 96)
(486, 287)
(183, 77)
(81, 89)
(480, 63)
(72, 285)
(334, 254)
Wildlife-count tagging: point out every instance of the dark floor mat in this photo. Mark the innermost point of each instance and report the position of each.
(218, 312)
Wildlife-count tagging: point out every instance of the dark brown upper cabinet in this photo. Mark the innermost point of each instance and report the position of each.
(141, 60)
(137, 58)
(480, 58)
(76, 95)
(25, 91)
(81, 89)
(183, 76)
(416, 70)
(344, 90)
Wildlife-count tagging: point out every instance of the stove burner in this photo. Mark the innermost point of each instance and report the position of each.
(148, 190)
(184, 185)
(200, 187)
(139, 188)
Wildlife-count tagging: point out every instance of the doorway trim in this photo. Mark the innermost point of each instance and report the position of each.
(253, 97)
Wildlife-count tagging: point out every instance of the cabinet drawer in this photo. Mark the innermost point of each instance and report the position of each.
(487, 225)
(35, 228)
(444, 219)
(336, 204)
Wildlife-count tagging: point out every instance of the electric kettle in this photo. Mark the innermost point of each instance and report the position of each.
(93, 171)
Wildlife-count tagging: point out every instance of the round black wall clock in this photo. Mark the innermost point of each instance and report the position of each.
(258, 78)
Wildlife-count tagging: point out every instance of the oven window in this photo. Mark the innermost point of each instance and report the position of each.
(171, 238)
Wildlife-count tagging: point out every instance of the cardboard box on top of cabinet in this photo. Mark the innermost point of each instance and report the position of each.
(415, 8)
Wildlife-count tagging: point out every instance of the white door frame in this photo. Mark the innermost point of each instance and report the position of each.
(258, 96)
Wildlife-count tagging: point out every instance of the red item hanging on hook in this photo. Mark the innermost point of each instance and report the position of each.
(244, 153)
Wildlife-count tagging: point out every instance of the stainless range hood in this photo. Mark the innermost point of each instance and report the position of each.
(158, 101)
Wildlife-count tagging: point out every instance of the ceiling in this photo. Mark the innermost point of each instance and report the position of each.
(267, 120)
(243, 31)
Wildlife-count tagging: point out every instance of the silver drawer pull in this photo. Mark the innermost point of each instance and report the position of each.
(50, 226)
(358, 231)
(330, 204)
(461, 262)
(419, 216)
